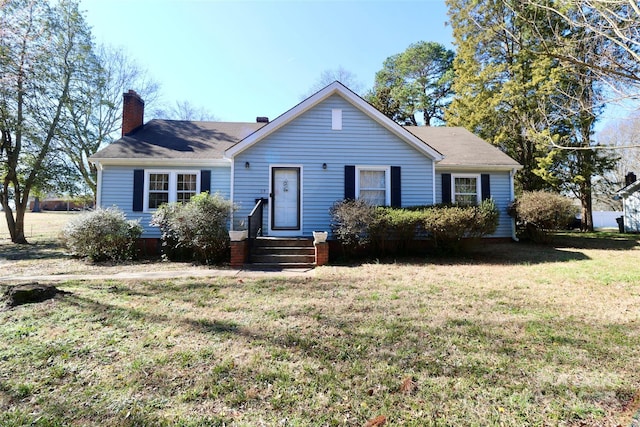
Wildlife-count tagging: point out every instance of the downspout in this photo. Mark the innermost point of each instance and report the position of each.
(512, 173)
(433, 182)
(99, 186)
(231, 190)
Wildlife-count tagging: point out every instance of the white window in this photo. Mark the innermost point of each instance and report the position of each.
(465, 189)
(165, 186)
(373, 184)
(158, 192)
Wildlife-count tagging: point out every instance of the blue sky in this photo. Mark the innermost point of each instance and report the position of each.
(245, 59)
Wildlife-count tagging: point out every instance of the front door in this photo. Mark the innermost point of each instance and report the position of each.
(285, 199)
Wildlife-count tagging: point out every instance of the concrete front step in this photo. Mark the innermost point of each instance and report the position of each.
(283, 241)
(278, 266)
(283, 259)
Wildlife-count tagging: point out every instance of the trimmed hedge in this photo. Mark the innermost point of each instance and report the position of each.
(102, 235)
(541, 212)
(383, 230)
(196, 230)
(449, 225)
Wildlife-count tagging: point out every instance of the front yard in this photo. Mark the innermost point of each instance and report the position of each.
(513, 335)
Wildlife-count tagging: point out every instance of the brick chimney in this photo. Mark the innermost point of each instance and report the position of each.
(132, 112)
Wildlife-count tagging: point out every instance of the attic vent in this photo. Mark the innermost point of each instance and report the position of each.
(262, 119)
(336, 119)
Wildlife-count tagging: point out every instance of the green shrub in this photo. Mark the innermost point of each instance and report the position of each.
(388, 230)
(196, 230)
(540, 212)
(350, 222)
(392, 229)
(449, 226)
(102, 235)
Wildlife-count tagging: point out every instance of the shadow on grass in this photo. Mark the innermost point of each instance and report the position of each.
(46, 249)
(489, 352)
(489, 254)
(598, 240)
(564, 247)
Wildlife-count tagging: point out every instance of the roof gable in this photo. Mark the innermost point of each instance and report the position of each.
(335, 88)
(629, 189)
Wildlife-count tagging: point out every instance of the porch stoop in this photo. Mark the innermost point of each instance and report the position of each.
(282, 252)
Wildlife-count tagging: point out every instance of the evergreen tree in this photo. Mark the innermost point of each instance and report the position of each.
(539, 109)
(417, 80)
(499, 83)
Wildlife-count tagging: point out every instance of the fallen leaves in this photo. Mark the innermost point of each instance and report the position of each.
(408, 386)
(378, 421)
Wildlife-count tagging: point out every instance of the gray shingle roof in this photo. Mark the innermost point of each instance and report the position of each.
(461, 147)
(177, 139)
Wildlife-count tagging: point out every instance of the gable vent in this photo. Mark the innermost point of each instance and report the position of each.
(262, 119)
(336, 119)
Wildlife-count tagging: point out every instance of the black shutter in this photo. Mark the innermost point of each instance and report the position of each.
(446, 188)
(349, 182)
(396, 187)
(485, 186)
(205, 180)
(138, 190)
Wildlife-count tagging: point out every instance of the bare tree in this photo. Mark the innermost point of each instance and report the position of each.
(339, 74)
(621, 134)
(184, 110)
(93, 113)
(614, 25)
(44, 49)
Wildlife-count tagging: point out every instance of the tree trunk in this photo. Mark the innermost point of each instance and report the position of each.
(17, 236)
(586, 203)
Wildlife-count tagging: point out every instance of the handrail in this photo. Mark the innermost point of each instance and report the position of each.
(254, 220)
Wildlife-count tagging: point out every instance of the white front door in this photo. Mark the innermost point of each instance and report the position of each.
(285, 199)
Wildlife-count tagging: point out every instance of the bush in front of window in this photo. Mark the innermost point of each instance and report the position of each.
(386, 230)
(102, 235)
(350, 223)
(392, 229)
(452, 226)
(541, 212)
(196, 230)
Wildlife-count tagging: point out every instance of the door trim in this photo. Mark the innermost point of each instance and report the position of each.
(288, 231)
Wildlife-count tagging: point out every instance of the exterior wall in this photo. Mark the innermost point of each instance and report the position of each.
(500, 192)
(632, 213)
(117, 190)
(309, 142)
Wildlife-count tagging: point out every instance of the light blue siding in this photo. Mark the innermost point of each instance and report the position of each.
(500, 192)
(117, 190)
(309, 141)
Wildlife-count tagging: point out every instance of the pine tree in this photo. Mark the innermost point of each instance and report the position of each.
(417, 80)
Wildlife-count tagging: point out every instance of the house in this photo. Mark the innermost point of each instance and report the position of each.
(630, 195)
(331, 146)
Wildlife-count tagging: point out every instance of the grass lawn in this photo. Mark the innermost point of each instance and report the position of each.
(512, 335)
(39, 226)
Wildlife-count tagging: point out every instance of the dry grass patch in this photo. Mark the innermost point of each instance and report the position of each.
(39, 226)
(46, 256)
(513, 335)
